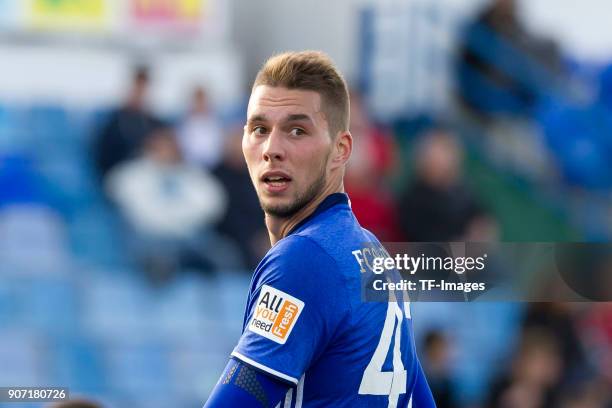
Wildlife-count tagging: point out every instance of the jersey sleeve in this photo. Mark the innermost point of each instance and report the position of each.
(241, 386)
(297, 303)
(421, 395)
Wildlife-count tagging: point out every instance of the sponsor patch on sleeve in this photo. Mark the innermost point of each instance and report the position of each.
(275, 314)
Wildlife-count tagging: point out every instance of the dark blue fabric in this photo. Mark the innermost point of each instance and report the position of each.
(242, 386)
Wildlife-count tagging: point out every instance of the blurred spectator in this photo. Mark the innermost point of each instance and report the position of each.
(596, 330)
(163, 196)
(436, 366)
(372, 160)
(482, 227)
(244, 219)
(556, 319)
(200, 134)
(121, 138)
(503, 68)
(167, 202)
(534, 375)
(438, 206)
(587, 394)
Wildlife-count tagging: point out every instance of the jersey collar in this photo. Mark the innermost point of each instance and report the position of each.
(329, 202)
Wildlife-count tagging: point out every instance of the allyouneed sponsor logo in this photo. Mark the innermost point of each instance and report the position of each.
(275, 314)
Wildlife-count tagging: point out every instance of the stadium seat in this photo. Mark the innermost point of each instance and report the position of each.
(49, 121)
(139, 368)
(232, 291)
(22, 354)
(32, 241)
(49, 304)
(11, 129)
(196, 370)
(77, 363)
(575, 139)
(117, 306)
(181, 307)
(8, 303)
(95, 237)
(19, 181)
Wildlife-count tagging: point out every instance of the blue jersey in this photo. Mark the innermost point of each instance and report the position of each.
(306, 323)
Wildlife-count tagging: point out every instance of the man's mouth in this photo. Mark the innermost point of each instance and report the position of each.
(276, 181)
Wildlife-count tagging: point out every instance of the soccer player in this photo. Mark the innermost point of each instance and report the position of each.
(309, 339)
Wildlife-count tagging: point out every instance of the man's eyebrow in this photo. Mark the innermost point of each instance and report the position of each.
(289, 118)
(297, 117)
(256, 118)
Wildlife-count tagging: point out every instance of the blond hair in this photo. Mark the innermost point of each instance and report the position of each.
(311, 71)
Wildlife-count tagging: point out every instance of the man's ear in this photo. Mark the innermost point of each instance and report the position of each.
(343, 146)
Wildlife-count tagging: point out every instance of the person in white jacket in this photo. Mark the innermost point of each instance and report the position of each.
(200, 134)
(170, 205)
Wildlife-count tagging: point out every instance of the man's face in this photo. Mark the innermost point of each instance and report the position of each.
(286, 145)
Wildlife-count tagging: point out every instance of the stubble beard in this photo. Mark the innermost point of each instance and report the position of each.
(301, 199)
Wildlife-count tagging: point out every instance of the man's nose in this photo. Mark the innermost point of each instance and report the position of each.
(273, 147)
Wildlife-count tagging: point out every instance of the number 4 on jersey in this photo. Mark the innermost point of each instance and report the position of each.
(391, 383)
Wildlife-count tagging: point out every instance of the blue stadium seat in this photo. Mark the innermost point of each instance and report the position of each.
(95, 237)
(196, 371)
(605, 88)
(22, 354)
(117, 306)
(578, 142)
(19, 181)
(32, 241)
(69, 181)
(49, 120)
(12, 129)
(187, 306)
(233, 290)
(78, 363)
(139, 369)
(49, 305)
(8, 303)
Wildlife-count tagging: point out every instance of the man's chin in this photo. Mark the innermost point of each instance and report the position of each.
(280, 207)
(287, 204)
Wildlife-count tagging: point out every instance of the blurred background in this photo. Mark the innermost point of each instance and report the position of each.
(129, 227)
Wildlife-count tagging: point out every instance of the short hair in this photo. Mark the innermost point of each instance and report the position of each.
(141, 73)
(433, 338)
(311, 71)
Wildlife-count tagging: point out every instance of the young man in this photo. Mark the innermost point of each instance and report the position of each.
(309, 339)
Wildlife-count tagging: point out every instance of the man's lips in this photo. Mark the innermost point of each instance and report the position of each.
(275, 181)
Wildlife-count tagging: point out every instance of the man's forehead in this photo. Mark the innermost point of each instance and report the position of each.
(267, 100)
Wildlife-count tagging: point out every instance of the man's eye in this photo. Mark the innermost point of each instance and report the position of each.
(297, 131)
(259, 130)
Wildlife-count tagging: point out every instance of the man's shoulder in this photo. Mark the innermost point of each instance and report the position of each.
(336, 232)
(298, 250)
(322, 248)
(297, 266)
(300, 260)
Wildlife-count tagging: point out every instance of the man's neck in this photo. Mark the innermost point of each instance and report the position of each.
(279, 228)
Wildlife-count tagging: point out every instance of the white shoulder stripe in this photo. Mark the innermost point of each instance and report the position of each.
(264, 368)
(288, 398)
(299, 395)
